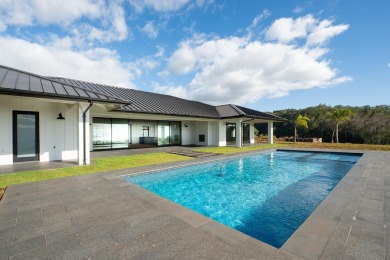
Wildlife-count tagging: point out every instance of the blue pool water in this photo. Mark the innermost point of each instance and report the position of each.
(266, 196)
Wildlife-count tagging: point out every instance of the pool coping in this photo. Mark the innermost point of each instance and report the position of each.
(317, 237)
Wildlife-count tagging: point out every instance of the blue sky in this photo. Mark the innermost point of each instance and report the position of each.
(263, 54)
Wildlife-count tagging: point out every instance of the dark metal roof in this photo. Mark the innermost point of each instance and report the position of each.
(17, 82)
(228, 111)
(257, 114)
(231, 111)
(150, 103)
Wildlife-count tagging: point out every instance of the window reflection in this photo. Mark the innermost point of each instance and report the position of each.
(123, 133)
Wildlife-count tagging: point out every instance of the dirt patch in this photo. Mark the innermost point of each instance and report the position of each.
(2, 190)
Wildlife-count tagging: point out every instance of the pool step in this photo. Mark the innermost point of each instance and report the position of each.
(193, 154)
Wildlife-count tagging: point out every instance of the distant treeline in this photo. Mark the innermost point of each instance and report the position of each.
(367, 125)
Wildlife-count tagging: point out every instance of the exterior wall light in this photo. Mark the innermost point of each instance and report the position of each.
(60, 116)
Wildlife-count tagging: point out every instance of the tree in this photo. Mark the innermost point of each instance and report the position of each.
(339, 115)
(301, 122)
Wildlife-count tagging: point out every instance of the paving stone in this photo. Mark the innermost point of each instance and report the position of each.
(335, 246)
(223, 233)
(190, 217)
(283, 255)
(316, 224)
(22, 247)
(6, 214)
(332, 207)
(374, 194)
(371, 215)
(371, 204)
(209, 248)
(33, 220)
(88, 248)
(252, 249)
(305, 245)
(4, 224)
(53, 210)
(367, 231)
(50, 251)
(6, 239)
(361, 249)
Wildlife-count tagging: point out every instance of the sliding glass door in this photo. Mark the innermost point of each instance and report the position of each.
(114, 133)
(110, 133)
(230, 133)
(169, 133)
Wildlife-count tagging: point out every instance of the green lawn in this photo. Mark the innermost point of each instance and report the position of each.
(98, 165)
(345, 146)
(232, 149)
(122, 162)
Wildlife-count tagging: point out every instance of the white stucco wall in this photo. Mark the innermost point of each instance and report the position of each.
(212, 134)
(187, 133)
(201, 128)
(221, 133)
(57, 138)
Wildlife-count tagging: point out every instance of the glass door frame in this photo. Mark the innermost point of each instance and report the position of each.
(229, 135)
(246, 133)
(15, 114)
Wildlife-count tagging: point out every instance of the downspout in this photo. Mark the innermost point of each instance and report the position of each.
(85, 134)
(242, 130)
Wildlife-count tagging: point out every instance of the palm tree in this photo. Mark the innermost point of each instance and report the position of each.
(339, 115)
(301, 121)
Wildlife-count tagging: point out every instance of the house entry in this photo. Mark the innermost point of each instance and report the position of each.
(25, 136)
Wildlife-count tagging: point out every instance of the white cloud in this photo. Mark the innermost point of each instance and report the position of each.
(316, 32)
(254, 27)
(325, 31)
(57, 59)
(286, 30)
(388, 65)
(26, 13)
(298, 10)
(150, 30)
(105, 20)
(240, 70)
(114, 27)
(159, 5)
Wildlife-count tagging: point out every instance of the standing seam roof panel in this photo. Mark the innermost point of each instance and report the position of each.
(91, 94)
(3, 71)
(70, 90)
(23, 82)
(10, 80)
(36, 85)
(81, 92)
(57, 86)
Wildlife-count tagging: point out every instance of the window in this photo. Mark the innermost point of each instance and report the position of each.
(110, 133)
(145, 131)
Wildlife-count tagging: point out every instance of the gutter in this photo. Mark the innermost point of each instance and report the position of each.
(84, 133)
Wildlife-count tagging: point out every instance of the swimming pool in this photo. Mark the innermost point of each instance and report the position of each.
(266, 196)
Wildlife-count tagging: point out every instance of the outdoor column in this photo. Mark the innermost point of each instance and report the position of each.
(239, 133)
(251, 133)
(221, 133)
(270, 132)
(82, 108)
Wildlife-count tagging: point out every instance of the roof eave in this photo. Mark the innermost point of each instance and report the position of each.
(56, 96)
(167, 114)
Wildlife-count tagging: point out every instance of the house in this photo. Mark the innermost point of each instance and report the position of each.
(48, 119)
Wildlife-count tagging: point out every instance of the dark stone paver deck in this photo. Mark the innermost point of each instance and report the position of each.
(101, 216)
